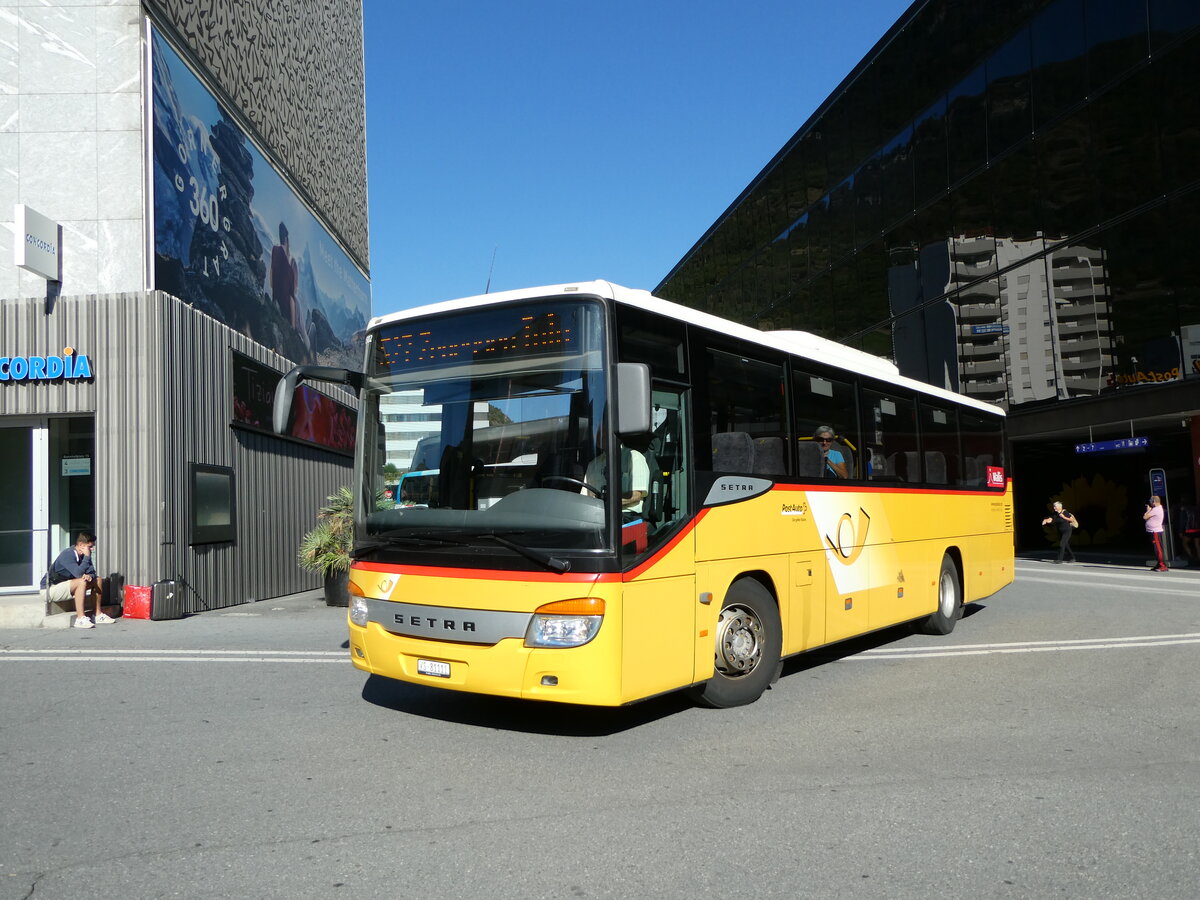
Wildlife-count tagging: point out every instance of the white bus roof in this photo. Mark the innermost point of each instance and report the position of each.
(797, 343)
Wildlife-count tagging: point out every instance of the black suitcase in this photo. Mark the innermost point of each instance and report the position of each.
(166, 601)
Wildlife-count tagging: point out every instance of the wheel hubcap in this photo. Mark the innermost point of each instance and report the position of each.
(947, 595)
(739, 641)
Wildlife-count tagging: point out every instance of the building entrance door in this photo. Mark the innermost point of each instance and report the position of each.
(23, 525)
(47, 494)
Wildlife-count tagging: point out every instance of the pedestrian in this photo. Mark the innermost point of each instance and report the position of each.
(1153, 517)
(1065, 523)
(1189, 530)
(73, 575)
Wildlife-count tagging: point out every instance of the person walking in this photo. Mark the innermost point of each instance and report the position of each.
(1153, 517)
(1065, 523)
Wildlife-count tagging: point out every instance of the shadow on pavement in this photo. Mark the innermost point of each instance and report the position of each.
(569, 720)
(528, 716)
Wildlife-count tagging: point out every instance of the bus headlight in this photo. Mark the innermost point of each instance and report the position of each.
(358, 611)
(565, 623)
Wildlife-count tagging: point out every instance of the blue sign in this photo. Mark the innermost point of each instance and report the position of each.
(1130, 443)
(68, 367)
(1158, 484)
(989, 329)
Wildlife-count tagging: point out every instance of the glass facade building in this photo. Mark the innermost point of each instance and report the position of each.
(1004, 199)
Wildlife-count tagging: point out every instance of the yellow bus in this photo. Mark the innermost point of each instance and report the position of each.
(633, 497)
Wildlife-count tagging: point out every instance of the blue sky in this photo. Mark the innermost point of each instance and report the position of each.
(577, 141)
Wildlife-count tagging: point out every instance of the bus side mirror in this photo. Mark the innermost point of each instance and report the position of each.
(281, 409)
(633, 398)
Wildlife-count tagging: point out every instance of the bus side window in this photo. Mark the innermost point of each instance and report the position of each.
(746, 399)
(939, 442)
(891, 421)
(823, 402)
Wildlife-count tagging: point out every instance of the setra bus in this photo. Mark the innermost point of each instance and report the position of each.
(626, 497)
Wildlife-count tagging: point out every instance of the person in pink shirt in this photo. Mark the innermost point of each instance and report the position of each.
(1154, 527)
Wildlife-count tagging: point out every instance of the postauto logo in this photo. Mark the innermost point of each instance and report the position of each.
(71, 366)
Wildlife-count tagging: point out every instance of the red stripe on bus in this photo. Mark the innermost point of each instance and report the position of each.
(887, 489)
(485, 574)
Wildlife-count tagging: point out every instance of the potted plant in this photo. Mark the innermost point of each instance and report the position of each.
(326, 549)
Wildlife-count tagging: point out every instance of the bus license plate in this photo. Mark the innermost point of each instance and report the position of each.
(431, 667)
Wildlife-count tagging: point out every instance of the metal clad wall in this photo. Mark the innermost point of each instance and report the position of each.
(119, 333)
(161, 397)
(279, 484)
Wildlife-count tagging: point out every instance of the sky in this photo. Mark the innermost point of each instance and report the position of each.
(534, 142)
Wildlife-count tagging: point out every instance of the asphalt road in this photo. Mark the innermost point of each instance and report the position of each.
(1049, 747)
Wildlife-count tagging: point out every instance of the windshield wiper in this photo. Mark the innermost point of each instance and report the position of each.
(395, 536)
(553, 563)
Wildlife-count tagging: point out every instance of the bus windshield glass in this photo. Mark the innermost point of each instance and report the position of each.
(479, 427)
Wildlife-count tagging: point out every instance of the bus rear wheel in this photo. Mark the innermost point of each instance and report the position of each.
(749, 641)
(949, 599)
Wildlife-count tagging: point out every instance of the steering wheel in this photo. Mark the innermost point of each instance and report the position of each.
(599, 492)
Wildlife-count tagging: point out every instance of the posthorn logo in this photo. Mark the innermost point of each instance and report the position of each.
(70, 366)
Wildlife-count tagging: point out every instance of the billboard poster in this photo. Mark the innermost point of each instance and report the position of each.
(231, 237)
(316, 418)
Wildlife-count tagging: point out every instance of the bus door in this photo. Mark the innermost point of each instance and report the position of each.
(659, 597)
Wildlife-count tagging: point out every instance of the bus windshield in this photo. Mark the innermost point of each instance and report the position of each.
(481, 427)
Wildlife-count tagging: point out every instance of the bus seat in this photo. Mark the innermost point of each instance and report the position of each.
(768, 456)
(808, 459)
(905, 465)
(847, 457)
(972, 474)
(935, 467)
(732, 451)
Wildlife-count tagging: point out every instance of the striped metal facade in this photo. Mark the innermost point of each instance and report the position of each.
(161, 397)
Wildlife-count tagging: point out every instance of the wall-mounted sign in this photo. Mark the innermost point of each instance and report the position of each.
(994, 328)
(1129, 443)
(234, 240)
(71, 366)
(76, 465)
(37, 243)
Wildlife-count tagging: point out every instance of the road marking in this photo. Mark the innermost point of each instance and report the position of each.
(1162, 590)
(1157, 640)
(229, 656)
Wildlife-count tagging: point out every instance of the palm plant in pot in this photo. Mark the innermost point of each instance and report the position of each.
(326, 549)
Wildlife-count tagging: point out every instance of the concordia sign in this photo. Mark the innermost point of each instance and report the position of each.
(71, 366)
(36, 243)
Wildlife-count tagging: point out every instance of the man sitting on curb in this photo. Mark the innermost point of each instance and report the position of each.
(73, 575)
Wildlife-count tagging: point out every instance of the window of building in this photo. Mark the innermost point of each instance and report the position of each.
(966, 137)
(213, 506)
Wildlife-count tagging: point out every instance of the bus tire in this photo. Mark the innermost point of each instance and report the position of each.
(949, 601)
(749, 644)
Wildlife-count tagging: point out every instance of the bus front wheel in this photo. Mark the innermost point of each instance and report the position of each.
(749, 641)
(949, 601)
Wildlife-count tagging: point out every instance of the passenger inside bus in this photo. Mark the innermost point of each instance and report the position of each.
(833, 461)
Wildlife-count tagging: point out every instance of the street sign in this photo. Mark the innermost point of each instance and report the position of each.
(1129, 443)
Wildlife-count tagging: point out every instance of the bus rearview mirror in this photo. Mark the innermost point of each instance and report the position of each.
(633, 398)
